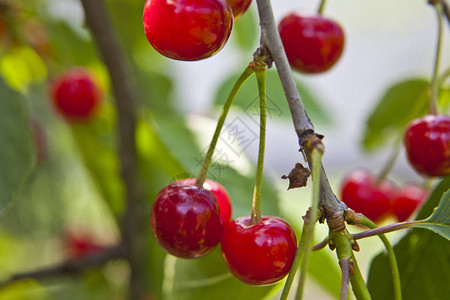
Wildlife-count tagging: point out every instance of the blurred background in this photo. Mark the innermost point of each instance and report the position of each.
(71, 201)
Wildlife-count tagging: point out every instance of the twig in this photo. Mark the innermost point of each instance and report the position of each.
(304, 128)
(70, 267)
(345, 270)
(384, 229)
(320, 245)
(134, 219)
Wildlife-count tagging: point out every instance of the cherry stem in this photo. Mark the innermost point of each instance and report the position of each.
(321, 7)
(434, 81)
(389, 164)
(391, 255)
(305, 244)
(256, 206)
(308, 231)
(385, 229)
(208, 158)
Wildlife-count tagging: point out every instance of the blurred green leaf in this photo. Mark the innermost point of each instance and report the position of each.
(423, 259)
(401, 103)
(24, 290)
(206, 278)
(21, 67)
(97, 144)
(247, 99)
(439, 221)
(17, 150)
(246, 31)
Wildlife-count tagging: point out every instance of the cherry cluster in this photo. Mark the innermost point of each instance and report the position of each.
(189, 222)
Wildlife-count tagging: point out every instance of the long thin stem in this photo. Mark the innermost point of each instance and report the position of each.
(321, 7)
(434, 81)
(389, 164)
(358, 285)
(208, 158)
(391, 255)
(384, 229)
(308, 231)
(256, 206)
(345, 270)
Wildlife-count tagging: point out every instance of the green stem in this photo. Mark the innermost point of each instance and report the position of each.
(256, 206)
(434, 81)
(308, 231)
(358, 285)
(208, 158)
(389, 164)
(321, 7)
(391, 255)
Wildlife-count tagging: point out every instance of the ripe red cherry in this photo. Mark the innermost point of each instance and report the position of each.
(239, 7)
(187, 29)
(407, 200)
(259, 254)
(185, 220)
(313, 44)
(221, 195)
(361, 193)
(75, 94)
(427, 142)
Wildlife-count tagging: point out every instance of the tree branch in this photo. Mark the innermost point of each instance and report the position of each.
(345, 270)
(134, 220)
(70, 267)
(304, 128)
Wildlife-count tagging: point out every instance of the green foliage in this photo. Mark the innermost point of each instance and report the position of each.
(246, 32)
(16, 151)
(422, 258)
(247, 99)
(401, 103)
(439, 221)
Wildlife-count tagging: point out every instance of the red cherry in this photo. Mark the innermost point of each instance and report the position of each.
(75, 94)
(219, 191)
(361, 193)
(427, 142)
(80, 245)
(407, 200)
(239, 7)
(185, 220)
(313, 44)
(187, 29)
(259, 254)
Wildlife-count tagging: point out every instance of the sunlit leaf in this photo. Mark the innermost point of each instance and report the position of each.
(21, 67)
(439, 221)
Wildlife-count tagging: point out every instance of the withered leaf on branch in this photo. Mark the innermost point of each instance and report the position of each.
(298, 176)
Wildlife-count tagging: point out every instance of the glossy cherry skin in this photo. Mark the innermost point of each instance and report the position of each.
(239, 7)
(313, 44)
(427, 142)
(76, 95)
(361, 193)
(259, 254)
(221, 195)
(407, 200)
(185, 220)
(187, 30)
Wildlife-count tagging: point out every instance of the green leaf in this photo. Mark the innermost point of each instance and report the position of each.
(17, 150)
(21, 67)
(246, 32)
(247, 99)
(423, 259)
(401, 103)
(439, 221)
(97, 144)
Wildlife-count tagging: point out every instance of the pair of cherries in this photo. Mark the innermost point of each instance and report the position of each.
(189, 222)
(377, 200)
